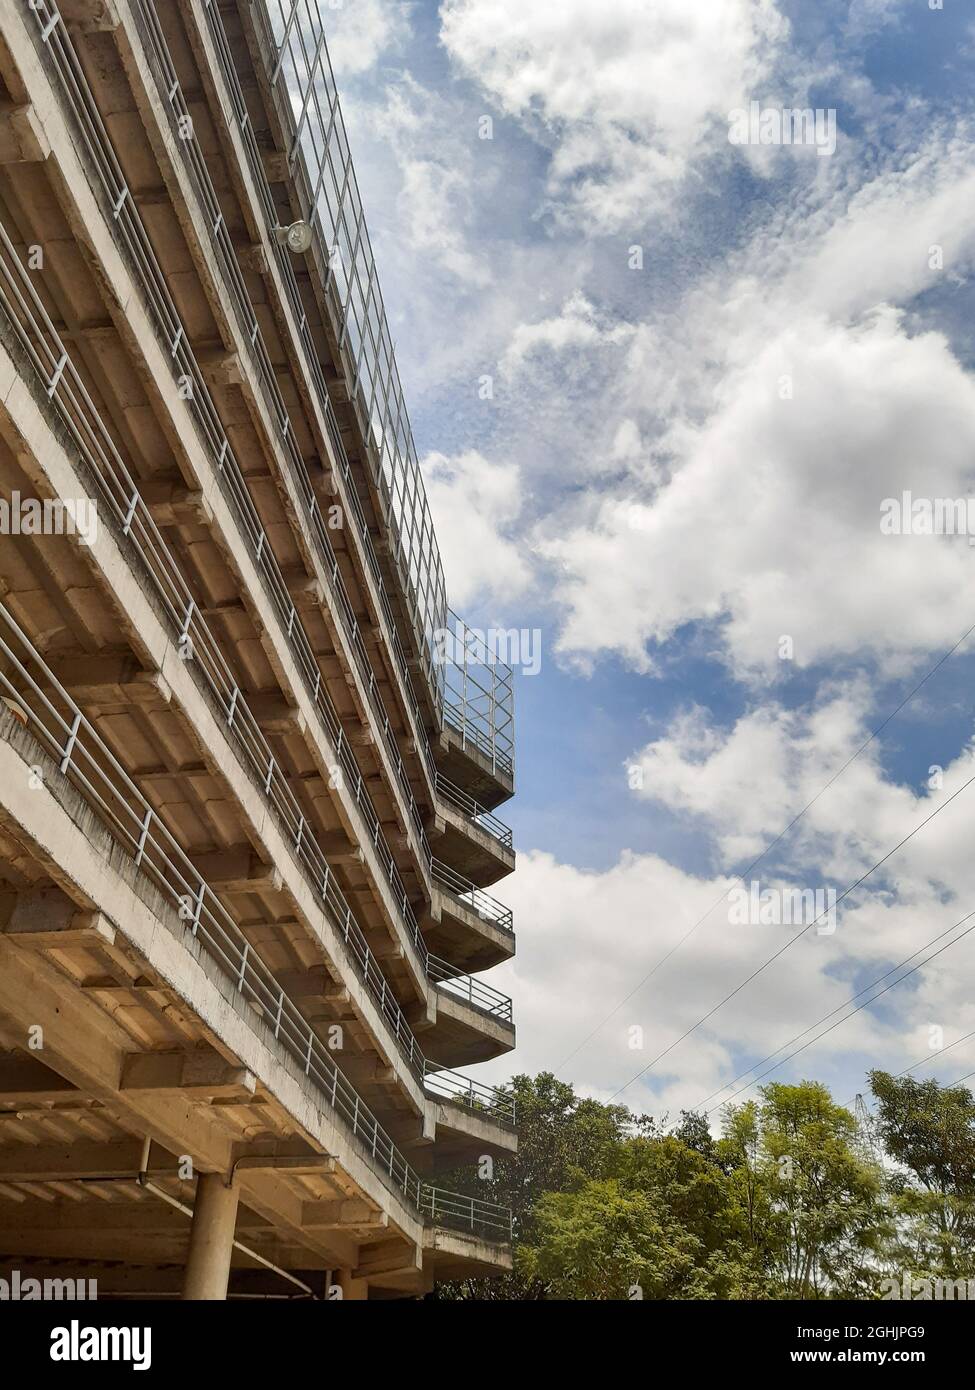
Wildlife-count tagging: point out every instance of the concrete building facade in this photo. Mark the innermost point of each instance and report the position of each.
(247, 829)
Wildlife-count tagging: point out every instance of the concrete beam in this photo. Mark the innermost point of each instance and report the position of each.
(275, 714)
(337, 1215)
(365, 1069)
(276, 166)
(22, 138)
(46, 919)
(339, 849)
(393, 1256)
(221, 368)
(89, 16)
(60, 1162)
(26, 1081)
(292, 1158)
(110, 678)
(171, 503)
(237, 870)
(200, 1072)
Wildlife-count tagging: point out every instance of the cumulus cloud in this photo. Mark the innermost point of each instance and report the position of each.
(646, 945)
(358, 33)
(626, 95)
(577, 326)
(594, 937)
(794, 400)
(474, 502)
(775, 497)
(433, 200)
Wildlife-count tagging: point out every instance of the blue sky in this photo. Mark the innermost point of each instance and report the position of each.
(683, 461)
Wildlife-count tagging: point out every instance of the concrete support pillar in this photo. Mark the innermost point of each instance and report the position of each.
(352, 1288)
(211, 1238)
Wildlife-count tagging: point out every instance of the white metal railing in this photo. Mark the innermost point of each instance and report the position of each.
(132, 233)
(478, 693)
(471, 989)
(41, 704)
(58, 379)
(294, 55)
(469, 895)
(473, 811)
(171, 94)
(461, 1090)
(491, 734)
(465, 1213)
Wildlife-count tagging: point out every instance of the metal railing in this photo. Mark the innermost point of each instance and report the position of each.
(461, 1090)
(472, 990)
(469, 895)
(171, 94)
(478, 692)
(46, 709)
(472, 719)
(464, 1213)
(227, 470)
(291, 42)
(474, 812)
(57, 377)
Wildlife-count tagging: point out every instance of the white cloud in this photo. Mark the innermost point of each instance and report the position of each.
(474, 503)
(578, 325)
(627, 95)
(358, 31)
(744, 786)
(588, 939)
(756, 510)
(868, 16)
(433, 173)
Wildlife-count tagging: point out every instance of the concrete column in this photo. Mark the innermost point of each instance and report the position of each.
(211, 1238)
(352, 1288)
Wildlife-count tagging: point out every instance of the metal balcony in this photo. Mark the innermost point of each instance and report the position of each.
(474, 811)
(461, 1090)
(478, 693)
(471, 989)
(475, 899)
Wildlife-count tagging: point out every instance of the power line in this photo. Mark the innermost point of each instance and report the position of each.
(792, 940)
(852, 1000)
(740, 878)
(858, 1008)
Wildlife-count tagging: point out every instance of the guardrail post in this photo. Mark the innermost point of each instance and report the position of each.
(199, 907)
(70, 743)
(143, 835)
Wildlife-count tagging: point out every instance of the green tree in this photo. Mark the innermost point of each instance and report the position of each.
(562, 1140)
(663, 1220)
(929, 1130)
(605, 1241)
(812, 1206)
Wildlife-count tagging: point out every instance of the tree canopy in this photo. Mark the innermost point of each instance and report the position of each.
(789, 1197)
